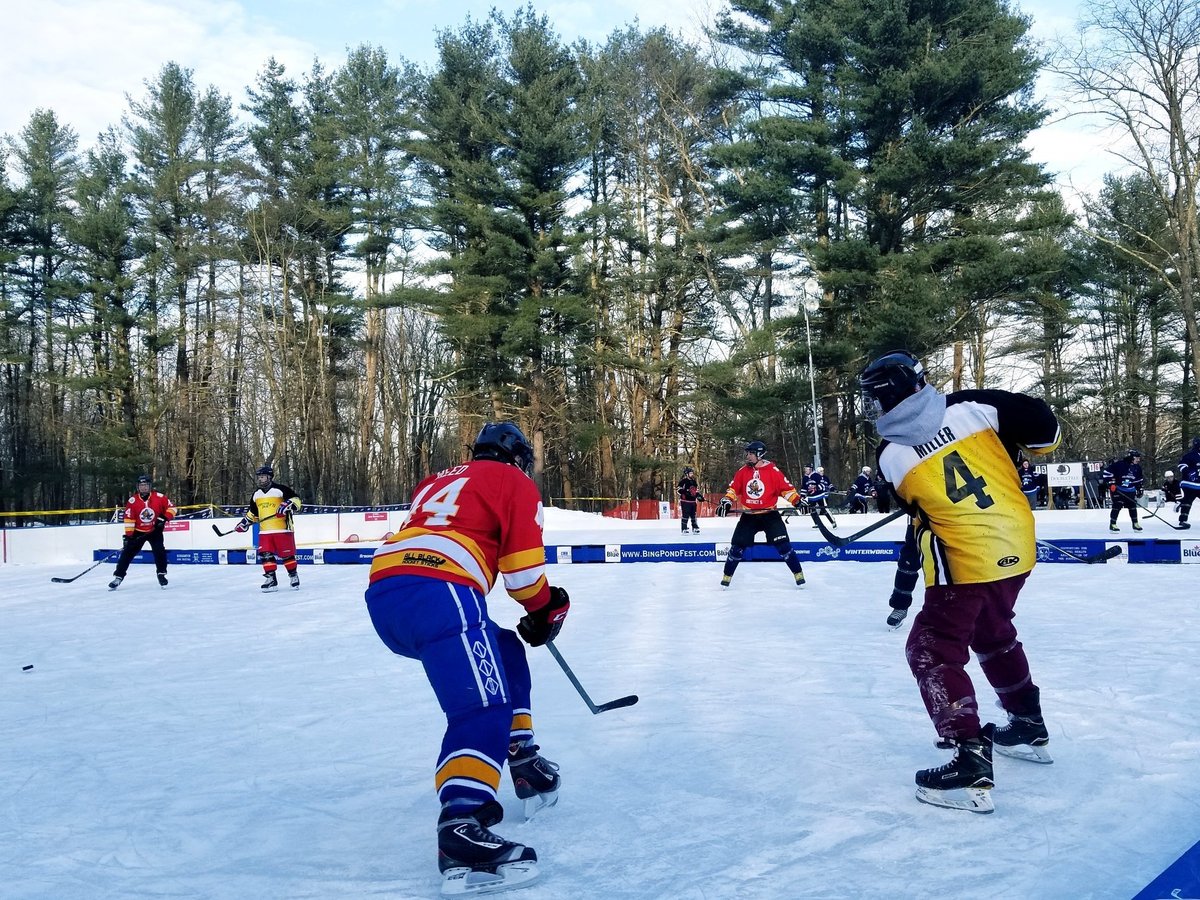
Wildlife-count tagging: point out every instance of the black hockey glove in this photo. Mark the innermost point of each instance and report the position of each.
(724, 506)
(160, 523)
(544, 624)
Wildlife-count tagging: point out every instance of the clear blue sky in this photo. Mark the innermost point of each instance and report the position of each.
(82, 58)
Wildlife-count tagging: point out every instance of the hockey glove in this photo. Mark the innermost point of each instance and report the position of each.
(544, 624)
(724, 506)
(243, 525)
(160, 523)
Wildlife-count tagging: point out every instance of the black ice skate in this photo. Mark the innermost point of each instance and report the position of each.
(1137, 526)
(270, 583)
(966, 781)
(695, 531)
(115, 583)
(473, 860)
(799, 578)
(162, 579)
(1024, 737)
(1112, 526)
(294, 579)
(535, 777)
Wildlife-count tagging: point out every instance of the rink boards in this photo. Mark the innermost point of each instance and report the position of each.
(1149, 550)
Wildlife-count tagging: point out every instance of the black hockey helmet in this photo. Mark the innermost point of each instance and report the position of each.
(1133, 453)
(504, 442)
(688, 470)
(1196, 443)
(758, 448)
(265, 470)
(888, 380)
(145, 479)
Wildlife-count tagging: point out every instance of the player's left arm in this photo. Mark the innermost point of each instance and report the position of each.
(1024, 421)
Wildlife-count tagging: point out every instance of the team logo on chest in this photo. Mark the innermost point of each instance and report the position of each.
(755, 488)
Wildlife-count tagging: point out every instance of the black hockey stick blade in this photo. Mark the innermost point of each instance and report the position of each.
(98, 562)
(842, 540)
(221, 533)
(618, 703)
(603, 707)
(1155, 515)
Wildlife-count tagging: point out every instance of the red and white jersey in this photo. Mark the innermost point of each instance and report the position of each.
(141, 513)
(759, 487)
(468, 524)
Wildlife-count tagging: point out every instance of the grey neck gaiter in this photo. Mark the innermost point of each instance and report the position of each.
(916, 419)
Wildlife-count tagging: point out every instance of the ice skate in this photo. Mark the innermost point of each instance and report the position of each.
(294, 580)
(1112, 526)
(1024, 737)
(1184, 525)
(966, 781)
(535, 778)
(473, 860)
(1137, 526)
(695, 531)
(115, 583)
(162, 579)
(270, 584)
(896, 618)
(799, 578)
(725, 579)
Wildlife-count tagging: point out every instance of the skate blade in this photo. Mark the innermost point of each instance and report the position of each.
(466, 882)
(1027, 752)
(538, 802)
(270, 590)
(977, 800)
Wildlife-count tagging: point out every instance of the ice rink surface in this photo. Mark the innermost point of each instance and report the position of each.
(206, 741)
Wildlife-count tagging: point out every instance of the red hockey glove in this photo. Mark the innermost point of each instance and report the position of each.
(544, 624)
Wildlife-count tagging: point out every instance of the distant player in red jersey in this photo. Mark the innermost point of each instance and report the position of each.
(146, 514)
(758, 485)
(467, 525)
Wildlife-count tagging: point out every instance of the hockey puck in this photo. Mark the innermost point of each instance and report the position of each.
(26, 668)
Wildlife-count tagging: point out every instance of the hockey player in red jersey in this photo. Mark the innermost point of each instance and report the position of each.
(468, 525)
(758, 485)
(146, 514)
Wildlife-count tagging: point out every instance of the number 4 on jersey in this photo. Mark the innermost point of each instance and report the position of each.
(962, 483)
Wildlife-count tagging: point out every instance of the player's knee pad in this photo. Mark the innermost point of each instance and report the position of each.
(784, 546)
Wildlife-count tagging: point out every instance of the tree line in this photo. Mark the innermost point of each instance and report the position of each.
(632, 249)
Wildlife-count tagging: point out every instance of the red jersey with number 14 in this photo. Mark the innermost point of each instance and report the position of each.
(468, 524)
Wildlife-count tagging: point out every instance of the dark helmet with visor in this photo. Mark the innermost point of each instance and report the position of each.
(890, 379)
(758, 448)
(504, 442)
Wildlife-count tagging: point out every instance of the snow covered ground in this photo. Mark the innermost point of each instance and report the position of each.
(204, 741)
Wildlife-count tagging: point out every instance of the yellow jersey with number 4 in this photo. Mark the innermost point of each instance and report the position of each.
(961, 487)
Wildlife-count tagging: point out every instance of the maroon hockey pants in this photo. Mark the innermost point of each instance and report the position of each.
(976, 616)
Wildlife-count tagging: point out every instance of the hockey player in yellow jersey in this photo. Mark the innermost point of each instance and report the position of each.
(950, 461)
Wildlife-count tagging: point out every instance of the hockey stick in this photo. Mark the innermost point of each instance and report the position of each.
(1154, 514)
(88, 569)
(603, 707)
(221, 533)
(1109, 553)
(840, 541)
